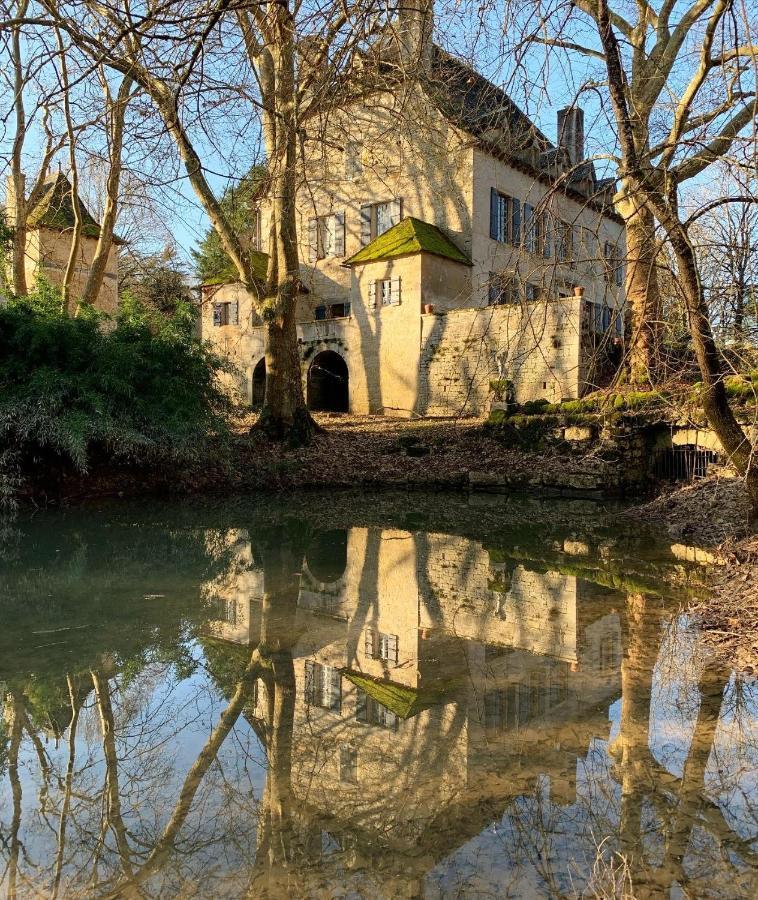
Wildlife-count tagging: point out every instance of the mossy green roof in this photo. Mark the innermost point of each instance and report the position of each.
(55, 209)
(404, 701)
(408, 237)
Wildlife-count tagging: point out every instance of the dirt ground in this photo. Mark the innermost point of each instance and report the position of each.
(715, 513)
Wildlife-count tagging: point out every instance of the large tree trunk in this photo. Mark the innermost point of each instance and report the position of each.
(722, 420)
(642, 293)
(284, 415)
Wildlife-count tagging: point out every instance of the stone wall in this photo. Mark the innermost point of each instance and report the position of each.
(537, 347)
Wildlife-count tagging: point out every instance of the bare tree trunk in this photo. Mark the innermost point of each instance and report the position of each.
(642, 293)
(76, 235)
(284, 414)
(105, 239)
(722, 420)
(18, 197)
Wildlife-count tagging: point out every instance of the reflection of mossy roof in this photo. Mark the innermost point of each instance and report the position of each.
(55, 209)
(407, 237)
(229, 274)
(405, 702)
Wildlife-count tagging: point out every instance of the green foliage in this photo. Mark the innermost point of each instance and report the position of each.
(140, 389)
(212, 264)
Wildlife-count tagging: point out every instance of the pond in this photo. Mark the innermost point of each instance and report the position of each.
(398, 695)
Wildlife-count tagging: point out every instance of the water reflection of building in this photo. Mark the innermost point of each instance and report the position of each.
(434, 675)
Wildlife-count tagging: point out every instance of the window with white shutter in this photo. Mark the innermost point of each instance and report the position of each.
(384, 292)
(376, 218)
(382, 646)
(326, 236)
(323, 686)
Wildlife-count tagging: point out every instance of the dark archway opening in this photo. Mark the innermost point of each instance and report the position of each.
(328, 389)
(259, 384)
(326, 556)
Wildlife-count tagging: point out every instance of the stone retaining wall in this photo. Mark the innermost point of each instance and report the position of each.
(537, 347)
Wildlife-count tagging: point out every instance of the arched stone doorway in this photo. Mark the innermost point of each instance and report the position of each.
(328, 385)
(258, 394)
(326, 556)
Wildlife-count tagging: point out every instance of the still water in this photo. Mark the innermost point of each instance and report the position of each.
(361, 697)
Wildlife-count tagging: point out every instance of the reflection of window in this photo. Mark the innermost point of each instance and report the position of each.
(322, 685)
(372, 712)
(348, 765)
(500, 709)
(225, 610)
(376, 218)
(381, 646)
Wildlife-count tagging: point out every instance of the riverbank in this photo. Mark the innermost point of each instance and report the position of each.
(714, 513)
(352, 451)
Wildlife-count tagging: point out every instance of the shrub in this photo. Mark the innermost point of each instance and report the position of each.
(140, 389)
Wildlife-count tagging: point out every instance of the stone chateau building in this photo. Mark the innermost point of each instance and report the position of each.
(50, 223)
(446, 243)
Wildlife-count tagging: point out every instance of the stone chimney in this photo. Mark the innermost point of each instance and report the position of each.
(415, 23)
(571, 133)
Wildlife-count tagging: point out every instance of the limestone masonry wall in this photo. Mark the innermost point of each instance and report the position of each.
(535, 346)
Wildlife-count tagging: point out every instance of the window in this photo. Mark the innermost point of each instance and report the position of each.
(384, 292)
(348, 765)
(323, 686)
(372, 712)
(338, 310)
(326, 236)
(505, 218)
(225, 314)
(352, 158)
(224, 610)
(603, 318)
(614, 268)
(532, 292)
(531, 229)
(376, 218)
(501, 289)
(381, 646)
(500, 709)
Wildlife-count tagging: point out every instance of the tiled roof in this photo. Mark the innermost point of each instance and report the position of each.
(55, 209)
(407, 237)
(478, 106)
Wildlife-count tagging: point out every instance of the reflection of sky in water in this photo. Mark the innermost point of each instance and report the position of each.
(473, 683)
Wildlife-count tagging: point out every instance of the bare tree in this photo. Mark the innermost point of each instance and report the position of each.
(681, 79)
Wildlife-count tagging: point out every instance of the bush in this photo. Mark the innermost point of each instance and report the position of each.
(140, 389)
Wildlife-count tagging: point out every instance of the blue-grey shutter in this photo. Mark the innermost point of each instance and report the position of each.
(217, 309)
(574, 245)
(335, 689)
(365, 225)
(547, 236)
(361, 709)
(516, 222)
(494, 215)
(396, 211)
(529, 231)
(339, 234)
(313, 240)
(234, 313)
